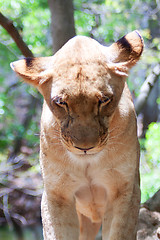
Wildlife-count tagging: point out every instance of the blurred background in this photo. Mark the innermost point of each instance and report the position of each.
(39, 28)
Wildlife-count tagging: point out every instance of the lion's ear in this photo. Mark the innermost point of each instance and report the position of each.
(34, 71)
(124, 54)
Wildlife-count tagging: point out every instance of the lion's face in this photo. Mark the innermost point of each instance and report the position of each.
(82, 85)
(83, 103)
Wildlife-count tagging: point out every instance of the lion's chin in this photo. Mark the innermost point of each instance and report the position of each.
(82, 158)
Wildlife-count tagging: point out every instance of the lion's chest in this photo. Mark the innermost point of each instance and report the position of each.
(91, 201)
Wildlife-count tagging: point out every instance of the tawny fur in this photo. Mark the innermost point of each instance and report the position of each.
(89, 151)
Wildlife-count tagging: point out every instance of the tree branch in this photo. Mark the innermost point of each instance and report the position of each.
(13, 32)
(153, 203)
(146, 88)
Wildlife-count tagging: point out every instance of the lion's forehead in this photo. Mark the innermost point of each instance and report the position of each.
(84, 80)
(80, 71)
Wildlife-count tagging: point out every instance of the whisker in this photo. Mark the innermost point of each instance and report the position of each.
(57, 144)
(52, 137)
(112, 129)
(110, 143)
(115, 136)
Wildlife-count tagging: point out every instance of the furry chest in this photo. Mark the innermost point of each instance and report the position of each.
(91, 201)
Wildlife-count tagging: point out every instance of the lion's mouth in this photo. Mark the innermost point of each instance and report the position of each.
(83, 151)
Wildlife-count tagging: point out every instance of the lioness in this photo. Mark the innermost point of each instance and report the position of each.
(89, 152)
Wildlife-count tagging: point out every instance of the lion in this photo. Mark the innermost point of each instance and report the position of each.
(89, 151)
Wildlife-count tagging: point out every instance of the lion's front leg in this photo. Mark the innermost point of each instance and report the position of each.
(120, 221)
(60, 221)
(88, 229)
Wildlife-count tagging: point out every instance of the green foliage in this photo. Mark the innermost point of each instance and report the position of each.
(150, 183)
(84, 22)
(152, 145)
(32, 134)
(28, 234)
(150, 161)
(13, 107)
(109, 19)
(7, 116)
(32, 19)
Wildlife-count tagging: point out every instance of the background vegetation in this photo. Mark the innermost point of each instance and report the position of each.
(20, 105)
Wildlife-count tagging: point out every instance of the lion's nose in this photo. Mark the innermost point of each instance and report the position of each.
(85, 138)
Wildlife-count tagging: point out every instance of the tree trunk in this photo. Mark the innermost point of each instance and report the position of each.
(62, 17)
(146, 88)
(150, 111)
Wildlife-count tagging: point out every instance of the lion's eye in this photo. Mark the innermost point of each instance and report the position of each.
(59, 101)
(105, 101)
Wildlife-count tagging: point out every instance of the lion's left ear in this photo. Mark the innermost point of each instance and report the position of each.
(34, 71)
(124, 54)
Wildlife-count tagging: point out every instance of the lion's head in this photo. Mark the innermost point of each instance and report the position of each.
(82, 85)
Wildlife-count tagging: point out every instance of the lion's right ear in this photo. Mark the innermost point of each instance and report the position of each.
(34, 71)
